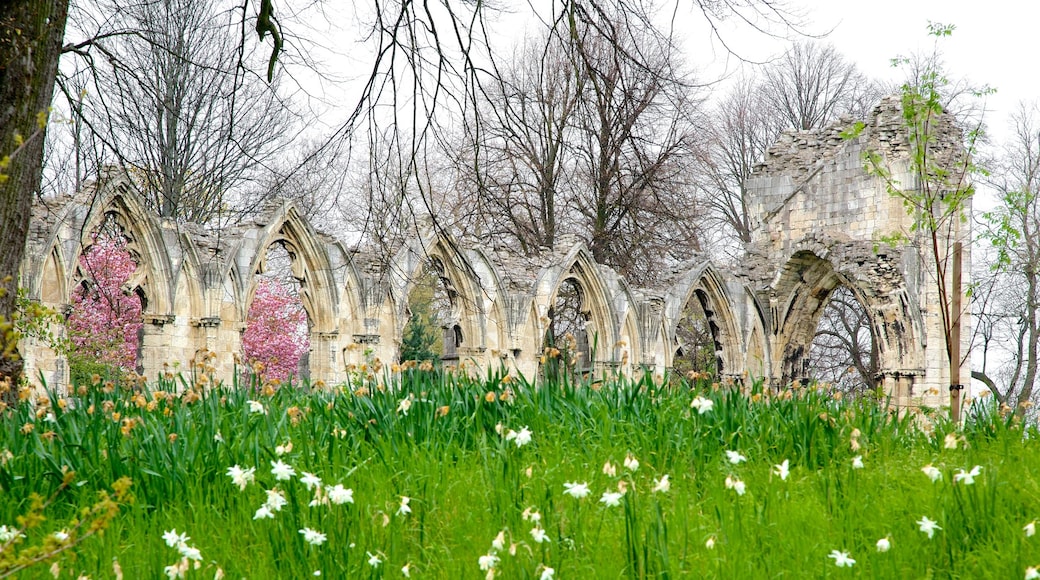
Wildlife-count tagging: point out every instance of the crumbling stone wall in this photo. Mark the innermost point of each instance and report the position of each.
(819, 221)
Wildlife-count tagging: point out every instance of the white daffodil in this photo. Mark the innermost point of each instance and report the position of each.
(735, 484)
(967, 477)
(282, 471)
(8, 534)
(263, 512)
(576, 490)
(404, 405)
(710, 543)
(735, 457)
(1033, 573)
(857, 462)
(702, 405)
(373, 559)
(928, 526)
(662, 485)
(61, 535)
(190, 552)
(281, 450)
(932, 472)
(241, 477)
(340, 495)
(609, 470)
(523, 437)
(611, 498)
(950, 442)
(309, 480)
(275, 500)
(406, 570)
(531, 514)
(539, 535)
(499, 543)
(884, 544)
(404, 509)
(547, 573)
(631, 463)
(256, 407)
(783, 470)
(173, 539)
(841, 559)
(1030, 529)
(487, 561)
(313, 537)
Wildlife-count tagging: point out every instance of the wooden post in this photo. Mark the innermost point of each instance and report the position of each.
(955, 337)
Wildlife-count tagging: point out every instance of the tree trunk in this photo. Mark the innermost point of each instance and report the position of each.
(31, 33)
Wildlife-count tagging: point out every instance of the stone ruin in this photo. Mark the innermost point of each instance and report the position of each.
(819, 216)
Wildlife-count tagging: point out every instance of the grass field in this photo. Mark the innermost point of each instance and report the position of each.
(443, 476)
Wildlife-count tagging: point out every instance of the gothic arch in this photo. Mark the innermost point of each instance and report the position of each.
(704, 284)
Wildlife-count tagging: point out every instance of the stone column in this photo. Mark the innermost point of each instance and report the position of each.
(153, 344)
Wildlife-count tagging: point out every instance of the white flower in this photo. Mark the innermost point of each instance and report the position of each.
(8, 534)
(950, 442)
(532, 515)
(611, 498)
(263, 512)
(487, 561)
(841, 559)
(313, 537)
(735, 457)
(218, 437)
(884, 544)
(373, 559)
(1030, 529)
(735, 484)
(631, 463)
(576, 490)
(172, 538)
(406, 570)
(857, 462)
(404, 405)
(280, 450)
(702, 405)
(928, 526)
(62, 535)
(523, 437)
(499, 543)
(932, 472)
(710, 543)
(309, 480)
(282, 471)
(176, 570)
(967, 477)
(275, 500)
(241, 477)
(340, 495)
(547, 573)
(190, 552)
(1032, 573)
(256, 407)
(783, 470)
(404, 509)
(662, 485)
(609, 470)
(539, 534)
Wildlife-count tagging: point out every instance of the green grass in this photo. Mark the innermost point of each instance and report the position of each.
(467, 482)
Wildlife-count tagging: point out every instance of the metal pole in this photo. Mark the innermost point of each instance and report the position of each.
(954, 337)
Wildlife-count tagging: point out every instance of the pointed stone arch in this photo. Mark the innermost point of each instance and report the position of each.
(706, 285)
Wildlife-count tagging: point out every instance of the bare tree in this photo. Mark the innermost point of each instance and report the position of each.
(843, 351)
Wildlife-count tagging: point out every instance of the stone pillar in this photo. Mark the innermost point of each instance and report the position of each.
(323, 357)
(153, 344)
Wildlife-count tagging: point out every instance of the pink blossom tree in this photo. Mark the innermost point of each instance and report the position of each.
(106, 317)
(276, 329)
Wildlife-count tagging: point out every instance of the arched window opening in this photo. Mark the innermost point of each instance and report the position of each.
(696, 349)
(567, 340)
(276, 340)
(844, 352)
(104, 323)
(432, 332)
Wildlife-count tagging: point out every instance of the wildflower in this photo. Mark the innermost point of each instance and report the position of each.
(735, 457)
(539, 534)
(404, 509)
(576, 490)
(631, 463)
(928, 526)
(280, 450)
(782, 470)
(662, 485)
(1030, 529)
(710, 543)
(932, 472)
(530, 514)
(609, 469)
(487, 561)
(523, 437)
(340, 495)
(173, 539)
(735, 484)
(275, 500)
(406, 570)
(61, 535)
(190, 552)
(256, 407)
(309, 480)
(611, 499)
(884, 544)
(950, 442)
(218, 438)
(373, 560)
(967, 477)
(241, 477)
(702, 405)
(404, 405)
(313, 537)
(176, 570)
(499, 543)
(841, 559)
(857, 462)
(1032, 573)
(282, 471)
(547, 573)
(263, 512)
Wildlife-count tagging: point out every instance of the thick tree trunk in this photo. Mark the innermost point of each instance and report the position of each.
(31, 33)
